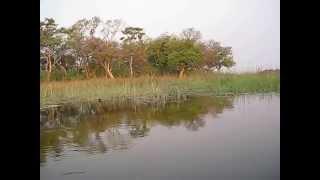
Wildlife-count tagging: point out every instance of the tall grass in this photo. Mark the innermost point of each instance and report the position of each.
(161, 89)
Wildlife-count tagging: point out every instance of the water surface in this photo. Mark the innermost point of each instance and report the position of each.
(203, 138)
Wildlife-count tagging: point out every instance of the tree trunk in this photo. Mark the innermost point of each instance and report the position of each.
(105, 67)
(130, 63)
(64, 71)
(49, 68)
(219, 67)
(86, 69)
(181, 73)
(108, 71)
(63, 68)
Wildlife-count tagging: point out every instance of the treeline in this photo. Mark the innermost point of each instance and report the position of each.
(93, 48)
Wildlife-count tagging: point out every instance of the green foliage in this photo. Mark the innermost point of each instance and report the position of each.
(132, 34)
(158, 51)
(48, 33)
(184, 58)
(171, 54)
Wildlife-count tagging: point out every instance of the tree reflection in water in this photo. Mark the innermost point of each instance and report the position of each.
(99, 128)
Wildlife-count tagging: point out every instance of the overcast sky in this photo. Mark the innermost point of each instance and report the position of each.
(251, 27)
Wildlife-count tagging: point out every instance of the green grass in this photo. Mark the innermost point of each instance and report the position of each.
(156, 90)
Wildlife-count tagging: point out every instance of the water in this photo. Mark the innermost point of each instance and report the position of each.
(203, 138)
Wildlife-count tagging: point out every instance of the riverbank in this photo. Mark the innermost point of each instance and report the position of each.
(161, 89)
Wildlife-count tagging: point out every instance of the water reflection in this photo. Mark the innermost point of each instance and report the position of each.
(97, 128)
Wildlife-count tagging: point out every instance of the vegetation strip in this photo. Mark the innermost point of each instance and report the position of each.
(157, 90)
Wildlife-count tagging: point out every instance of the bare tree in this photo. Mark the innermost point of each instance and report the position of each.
(111, 28)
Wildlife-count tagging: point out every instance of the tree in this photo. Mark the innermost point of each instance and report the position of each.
(217, 56)
(184, 56)
(79, 36)
(107, 49)
(172, 54)
(157, 52)
(104, 54)
(133, 46)
(51, 43)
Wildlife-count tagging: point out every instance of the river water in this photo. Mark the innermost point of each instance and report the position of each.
(219, 138)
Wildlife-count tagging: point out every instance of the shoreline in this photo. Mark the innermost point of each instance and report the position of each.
(97, 100)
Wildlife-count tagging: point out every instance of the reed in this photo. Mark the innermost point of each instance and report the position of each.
(156, 89)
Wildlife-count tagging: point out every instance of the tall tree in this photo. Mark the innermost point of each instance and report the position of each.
(80, 34)
(104, 54)
(184, 56)
(107, 49)
(157, 52)
(173, 54)
(133, 46)
(51, 43)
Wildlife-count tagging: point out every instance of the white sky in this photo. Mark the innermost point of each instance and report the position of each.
(251, 27)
